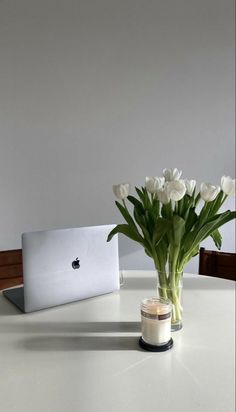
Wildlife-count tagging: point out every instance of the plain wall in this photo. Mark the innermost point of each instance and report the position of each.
(100, 92)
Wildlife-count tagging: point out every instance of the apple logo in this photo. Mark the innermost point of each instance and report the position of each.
(76, 264)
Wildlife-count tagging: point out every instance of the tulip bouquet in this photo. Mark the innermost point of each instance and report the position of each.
(168, 220)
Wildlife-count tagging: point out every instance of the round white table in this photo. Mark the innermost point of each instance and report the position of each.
(84, 356)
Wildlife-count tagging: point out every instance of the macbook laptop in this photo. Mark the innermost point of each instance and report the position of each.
(62, 266)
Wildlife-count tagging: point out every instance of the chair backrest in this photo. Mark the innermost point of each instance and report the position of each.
(217, 264)
(11, 270)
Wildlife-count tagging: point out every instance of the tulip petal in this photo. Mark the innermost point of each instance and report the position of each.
(121, 191)
(228, 185)
(154, 183)
(208, 192)
(172, 174)
(176, 190)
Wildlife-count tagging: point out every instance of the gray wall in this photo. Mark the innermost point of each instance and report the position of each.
(98, 92)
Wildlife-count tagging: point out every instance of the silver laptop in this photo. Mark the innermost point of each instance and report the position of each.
(61, 266)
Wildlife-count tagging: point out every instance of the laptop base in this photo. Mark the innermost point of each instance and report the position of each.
(16, 296)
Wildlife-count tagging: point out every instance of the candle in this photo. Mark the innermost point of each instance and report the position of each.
(156, 321)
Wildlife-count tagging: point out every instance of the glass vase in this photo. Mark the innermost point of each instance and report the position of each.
(169, 286)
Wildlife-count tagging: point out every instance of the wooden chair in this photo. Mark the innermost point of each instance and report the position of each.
(11, 270)
(217, 264)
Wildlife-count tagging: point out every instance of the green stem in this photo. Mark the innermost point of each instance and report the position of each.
(223, 200)
(175, 294)
(177, 306)
(181, 204)
(123, 201)
(161, 271)
(153, 196)
(197, 199)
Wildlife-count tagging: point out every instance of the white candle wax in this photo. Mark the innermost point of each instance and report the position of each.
(156, 321)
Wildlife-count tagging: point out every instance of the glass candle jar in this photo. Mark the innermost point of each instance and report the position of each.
(156, 321)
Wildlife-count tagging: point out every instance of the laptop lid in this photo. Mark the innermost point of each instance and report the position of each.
(61, 266)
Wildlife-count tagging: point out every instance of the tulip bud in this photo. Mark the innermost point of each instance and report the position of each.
(190, 186)
(154, 183)
(121, 191)
(162, 196)
(176, 190)
(228, 185)
(209, 192)
(172, 174)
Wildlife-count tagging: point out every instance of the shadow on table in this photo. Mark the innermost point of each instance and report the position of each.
(139, 283)
(71, 327)
(7, 308)
(80, 343)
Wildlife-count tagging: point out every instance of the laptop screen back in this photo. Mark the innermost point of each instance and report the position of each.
(65, 265)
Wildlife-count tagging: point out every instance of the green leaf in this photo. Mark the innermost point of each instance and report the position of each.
(146, 234)
(147, 201)
(216, 204)
(161, 227)
(125, 214)
(127, 231)
(162, 249)
(148, 253)
(140, 194)
(197, 199)
(166, 211)
(195, 251)
(137, 204)
(203, 216)
(140, 219)
(198, 235)
(191, 220)
(217, 238)
(188, 202)
(142, 223)
(215, 224)
(150, 221)
(188, 257)
(180, 206)
(178, 226)
(156, 208)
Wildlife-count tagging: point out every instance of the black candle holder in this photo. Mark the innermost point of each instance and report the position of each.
(155, 348)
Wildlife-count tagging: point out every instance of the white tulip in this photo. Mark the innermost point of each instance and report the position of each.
(121, 191)
(154, 183)
(190, 186)
(172, 174)
(176, 190)
(228, 185)
(162, 196)
(209, 192)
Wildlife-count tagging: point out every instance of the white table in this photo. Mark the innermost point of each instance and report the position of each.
(84, 356)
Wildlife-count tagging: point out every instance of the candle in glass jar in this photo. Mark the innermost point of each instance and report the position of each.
(156, 321)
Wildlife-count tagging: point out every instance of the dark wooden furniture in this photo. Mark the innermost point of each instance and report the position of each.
(217, 264)
(11, 270)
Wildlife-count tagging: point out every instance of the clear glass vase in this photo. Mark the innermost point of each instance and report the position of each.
(169, 286)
